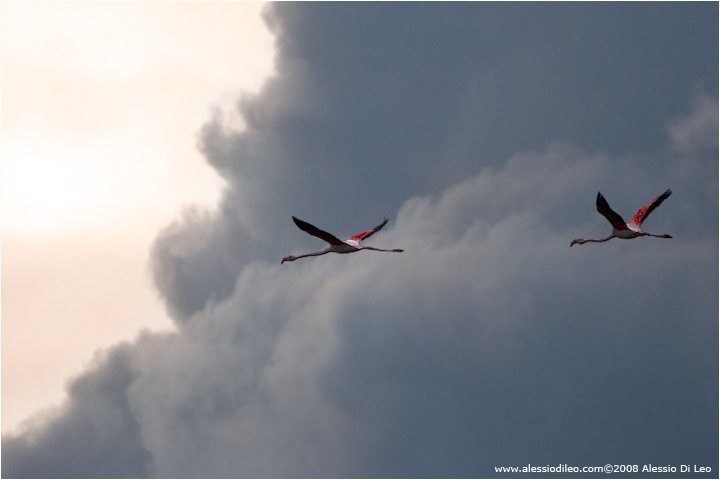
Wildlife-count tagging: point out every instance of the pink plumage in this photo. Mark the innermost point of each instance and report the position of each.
(336, 245)
(630, 229)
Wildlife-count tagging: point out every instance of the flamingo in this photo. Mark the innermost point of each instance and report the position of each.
(336, 245)
(622, 229)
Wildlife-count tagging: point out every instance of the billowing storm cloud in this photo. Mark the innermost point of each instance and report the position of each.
(483, 131)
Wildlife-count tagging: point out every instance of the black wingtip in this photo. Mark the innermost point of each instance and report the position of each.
(599, 199)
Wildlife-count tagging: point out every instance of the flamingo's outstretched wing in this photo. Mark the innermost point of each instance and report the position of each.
(643, 213)
(314, 231)
(616, 220)
(365, 235)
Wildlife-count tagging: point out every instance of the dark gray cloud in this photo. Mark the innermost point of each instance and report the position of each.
(484, 131)
(95, 434)
(375, 103)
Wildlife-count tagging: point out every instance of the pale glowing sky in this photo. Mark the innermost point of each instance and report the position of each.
(101, 107)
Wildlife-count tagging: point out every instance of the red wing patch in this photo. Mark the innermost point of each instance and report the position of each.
(643, 213)
(365, 235)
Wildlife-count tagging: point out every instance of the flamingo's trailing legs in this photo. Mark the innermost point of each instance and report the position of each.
(336, 245)
(630, 229)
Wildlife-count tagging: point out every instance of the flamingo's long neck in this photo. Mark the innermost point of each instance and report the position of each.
(581, 241)
(292, 259)
(314, 254)
(602, 239)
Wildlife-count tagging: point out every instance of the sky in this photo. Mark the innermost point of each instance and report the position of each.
(98, 155)
(483, 131)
